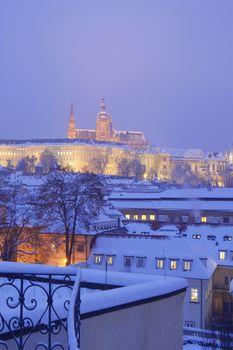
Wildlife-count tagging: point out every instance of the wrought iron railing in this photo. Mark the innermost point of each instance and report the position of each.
(74, 316)
(33, 310)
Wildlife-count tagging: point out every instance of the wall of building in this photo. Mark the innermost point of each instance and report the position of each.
(153, 326)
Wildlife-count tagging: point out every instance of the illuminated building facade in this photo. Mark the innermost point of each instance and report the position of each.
(104, 130)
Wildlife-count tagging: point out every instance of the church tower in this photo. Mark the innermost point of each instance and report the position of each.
(104, 130)
(71, 126)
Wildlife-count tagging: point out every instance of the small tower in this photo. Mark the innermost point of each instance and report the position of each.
(104, 130)
(71, 126)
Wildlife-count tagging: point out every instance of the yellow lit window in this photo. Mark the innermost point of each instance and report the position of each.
(110, 260)
(222, 254)
(203, 219)
(135, 217)
(127, 216)
(98, 259)
(173, 264)
(194, 295)
(187, 265)
(160, 264)
(152, 217)
(144, 217)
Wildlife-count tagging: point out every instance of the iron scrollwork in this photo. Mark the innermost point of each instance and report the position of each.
(33, 310)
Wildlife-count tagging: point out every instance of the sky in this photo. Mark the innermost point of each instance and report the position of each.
(164, 66)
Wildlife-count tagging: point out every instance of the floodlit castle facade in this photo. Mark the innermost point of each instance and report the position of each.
(104, 130)
(103, 149)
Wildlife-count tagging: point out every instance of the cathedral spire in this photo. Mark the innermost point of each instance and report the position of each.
(102, 104)
(72, 126)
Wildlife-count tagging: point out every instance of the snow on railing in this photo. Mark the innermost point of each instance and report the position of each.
(73, 319)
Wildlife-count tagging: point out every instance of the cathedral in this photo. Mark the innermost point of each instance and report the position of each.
(104, 130)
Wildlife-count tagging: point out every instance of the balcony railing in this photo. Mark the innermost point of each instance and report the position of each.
(34, 306)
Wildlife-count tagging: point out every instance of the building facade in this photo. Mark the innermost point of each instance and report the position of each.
(104, 130)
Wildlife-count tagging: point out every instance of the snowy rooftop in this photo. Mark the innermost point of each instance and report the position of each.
(151, 248)
(187, 194)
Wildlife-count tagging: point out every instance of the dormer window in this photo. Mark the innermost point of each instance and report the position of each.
(160, 262)
(187, 265)
(222, 254)
(173, 264)
(128, 261)
(98, 258)
(110, 259)
(141, 261)
(196, 236)
(203, 219)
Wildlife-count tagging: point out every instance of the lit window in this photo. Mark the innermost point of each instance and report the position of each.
(173, 264)
(127, 216)
(144, 217)
(98, 259)
(152, 217)
(187, 265)
(159, 263)
(194, 295)
(141, 261)
(222, 254)
(109, 260)
(135, 217)
(203, 219)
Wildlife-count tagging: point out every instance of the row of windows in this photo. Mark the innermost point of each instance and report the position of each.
(182, 218)
(141, 261)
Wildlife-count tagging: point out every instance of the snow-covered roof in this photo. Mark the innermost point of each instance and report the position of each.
(194, 205)
(152, 247)
(186, 193)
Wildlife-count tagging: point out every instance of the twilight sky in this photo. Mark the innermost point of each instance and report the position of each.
(164, 67)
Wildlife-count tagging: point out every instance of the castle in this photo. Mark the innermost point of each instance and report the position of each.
(104, 130)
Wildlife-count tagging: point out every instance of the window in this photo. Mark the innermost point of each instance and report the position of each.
(196, 236)
(222, 254)
(226, 279)
(127, 216)
(98, 259)
(152, 217)
(189, 324)
(160, 263)
(227, 238)
(128, 261)
(80, 247)
(226, 220)
(173, 264)
(109, 259)
(231, 255)
(135, 216)
(187, 265)
(194, 295)
(141, 261)
(203, 219)
(144, 217)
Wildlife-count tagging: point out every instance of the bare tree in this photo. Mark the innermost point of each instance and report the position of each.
(70, 201)
(16, 228)
(124, 167)
(137, 169)
(27, 165)
(100, 162)
(182, 174)
(48, 161)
